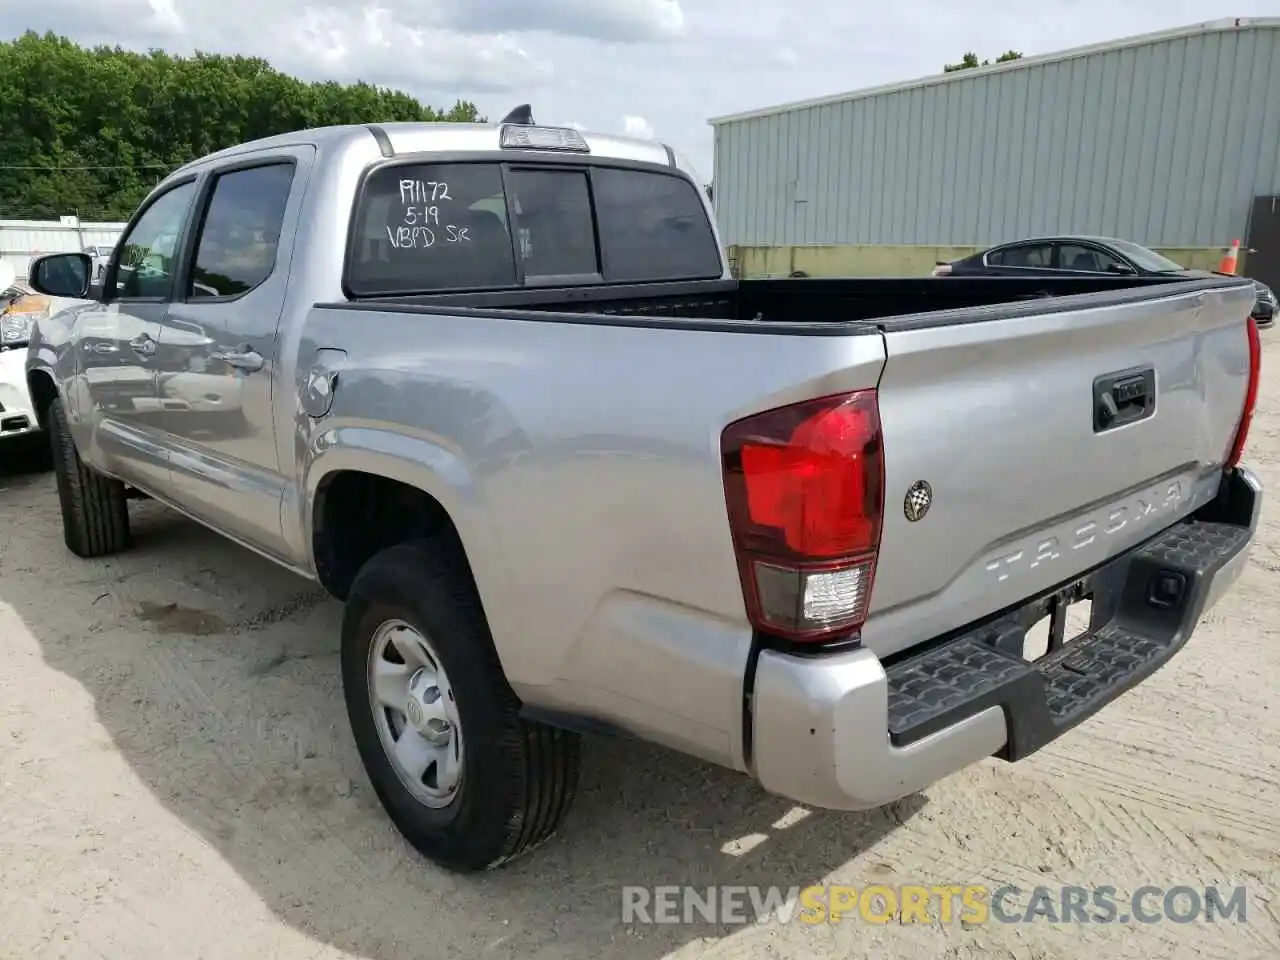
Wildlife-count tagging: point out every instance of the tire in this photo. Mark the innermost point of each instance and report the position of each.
(95, 514)
(517, 778)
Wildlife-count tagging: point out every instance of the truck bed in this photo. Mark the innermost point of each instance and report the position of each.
(988, 389)
(785, 300)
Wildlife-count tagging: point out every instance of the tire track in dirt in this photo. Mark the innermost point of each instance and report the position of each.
(125, 584)
(1156, 780)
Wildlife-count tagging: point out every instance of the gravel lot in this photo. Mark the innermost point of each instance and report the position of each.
(177, 780)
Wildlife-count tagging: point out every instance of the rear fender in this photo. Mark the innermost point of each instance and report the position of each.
(421, 464)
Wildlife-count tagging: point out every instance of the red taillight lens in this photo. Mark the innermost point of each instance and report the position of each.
(804, 485)
(1250, 396)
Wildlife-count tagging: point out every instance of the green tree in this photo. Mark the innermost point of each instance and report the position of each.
(91, 131)
(970, 60)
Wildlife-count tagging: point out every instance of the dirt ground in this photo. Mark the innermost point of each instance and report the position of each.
(177, 780)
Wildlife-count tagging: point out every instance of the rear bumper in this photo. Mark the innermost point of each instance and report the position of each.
(846, 731)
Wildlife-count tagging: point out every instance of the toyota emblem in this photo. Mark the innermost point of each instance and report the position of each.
(917, 501)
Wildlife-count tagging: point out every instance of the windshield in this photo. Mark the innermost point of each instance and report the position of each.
(1147, 259)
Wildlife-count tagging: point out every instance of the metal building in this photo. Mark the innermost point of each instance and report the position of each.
(1169, 139)
(21, 240)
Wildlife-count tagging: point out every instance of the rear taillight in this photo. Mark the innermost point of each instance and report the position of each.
(1250, 396)
(805, 490)
(942, 270)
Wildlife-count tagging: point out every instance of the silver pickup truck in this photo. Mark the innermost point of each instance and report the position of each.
(495, 388)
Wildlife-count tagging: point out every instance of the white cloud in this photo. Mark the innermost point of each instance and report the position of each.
(666, 64)
(637, 127)
(627, 21)
(165, 17)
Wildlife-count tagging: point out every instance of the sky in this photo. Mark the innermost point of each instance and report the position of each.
(650, 68)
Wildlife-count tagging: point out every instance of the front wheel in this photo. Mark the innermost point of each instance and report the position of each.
(95, 513)
(466, 780)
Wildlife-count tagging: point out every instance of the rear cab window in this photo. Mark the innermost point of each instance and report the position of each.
(438, 227)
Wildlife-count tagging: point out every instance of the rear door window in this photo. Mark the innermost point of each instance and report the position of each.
(240, 236)
(653, 227)
(1028, 255)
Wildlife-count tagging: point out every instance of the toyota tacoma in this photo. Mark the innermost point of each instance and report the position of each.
(495, 388)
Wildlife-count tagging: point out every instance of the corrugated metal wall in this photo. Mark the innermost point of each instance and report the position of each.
(1165, 144)
(20, 240)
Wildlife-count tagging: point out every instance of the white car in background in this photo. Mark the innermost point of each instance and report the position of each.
(19, 309)
(100, 254)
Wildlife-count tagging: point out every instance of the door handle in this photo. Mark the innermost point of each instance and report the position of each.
(143, 345)
(1124, 397)
(101, 347)
(244, 357)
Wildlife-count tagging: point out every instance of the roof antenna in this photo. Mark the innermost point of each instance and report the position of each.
(522, 114)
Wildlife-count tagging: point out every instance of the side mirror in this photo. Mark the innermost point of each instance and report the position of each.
(1123, 269)
(62, 274)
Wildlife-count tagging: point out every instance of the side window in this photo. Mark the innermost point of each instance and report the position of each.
(653, 227)
(1074, 256)
(240, 235)
(434, 226)
(1031, 255)
(147, 251)
(555, 230)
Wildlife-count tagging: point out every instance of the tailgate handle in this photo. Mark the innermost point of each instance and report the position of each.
(1124, 397)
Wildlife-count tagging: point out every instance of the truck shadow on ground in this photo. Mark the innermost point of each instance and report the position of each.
(25, 462)
(230, 712)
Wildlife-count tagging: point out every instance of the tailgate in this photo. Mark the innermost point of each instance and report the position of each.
(1052, 436)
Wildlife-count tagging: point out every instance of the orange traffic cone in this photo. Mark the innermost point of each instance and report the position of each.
(1230, 260)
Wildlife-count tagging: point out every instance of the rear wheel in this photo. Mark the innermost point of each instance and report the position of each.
(464, 778)
(95, 514)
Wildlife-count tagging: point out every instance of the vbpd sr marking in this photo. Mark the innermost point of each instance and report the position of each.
(1140, 511)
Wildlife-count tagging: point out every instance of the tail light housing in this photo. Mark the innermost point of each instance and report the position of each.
(1250, 396)
(804, 485)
